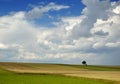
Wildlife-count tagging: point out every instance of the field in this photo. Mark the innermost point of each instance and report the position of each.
(31, 73)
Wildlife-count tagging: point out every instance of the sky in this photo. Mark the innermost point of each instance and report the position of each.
(60, 31)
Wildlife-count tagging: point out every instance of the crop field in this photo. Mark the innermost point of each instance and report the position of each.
(32, 73)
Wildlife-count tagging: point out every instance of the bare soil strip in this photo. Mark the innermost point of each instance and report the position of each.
(109, 75)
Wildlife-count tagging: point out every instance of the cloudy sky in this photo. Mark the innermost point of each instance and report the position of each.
(60, 31)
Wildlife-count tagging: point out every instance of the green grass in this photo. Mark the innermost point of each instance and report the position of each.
(4, 72)
(96, 68)
(7, 77)
(40, 66)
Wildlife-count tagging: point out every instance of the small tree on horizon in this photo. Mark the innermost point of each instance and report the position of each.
(84, 62)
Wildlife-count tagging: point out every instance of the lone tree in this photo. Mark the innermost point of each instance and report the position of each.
(84, 62)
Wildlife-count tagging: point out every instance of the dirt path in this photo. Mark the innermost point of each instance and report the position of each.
(109, 75)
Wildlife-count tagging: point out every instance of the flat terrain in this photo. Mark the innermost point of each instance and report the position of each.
(109, 75)
(97, 72)
(7, 77)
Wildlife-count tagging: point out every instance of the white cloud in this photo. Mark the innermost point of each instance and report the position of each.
(116, 44)
(98, 45)
(117, 10)
(93, 36)
(3, 46)
(38, 11)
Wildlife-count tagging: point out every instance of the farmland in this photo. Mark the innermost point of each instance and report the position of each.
(35, 73)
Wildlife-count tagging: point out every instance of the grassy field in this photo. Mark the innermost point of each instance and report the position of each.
(63, 67)
(8, 76)
(97, 68)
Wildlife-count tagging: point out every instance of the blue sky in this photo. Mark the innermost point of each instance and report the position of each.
(60, 31)
(7, 6)
(75, 9)
(23, 5)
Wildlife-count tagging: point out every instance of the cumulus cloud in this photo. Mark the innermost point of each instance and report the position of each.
(101, 33)
(116, 44)
(92, 36)
(94, 10)
(2, 46)
(38, 11)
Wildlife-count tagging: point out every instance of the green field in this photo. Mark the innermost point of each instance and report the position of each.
(42, 66)
(96, 68)
(9, 77)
